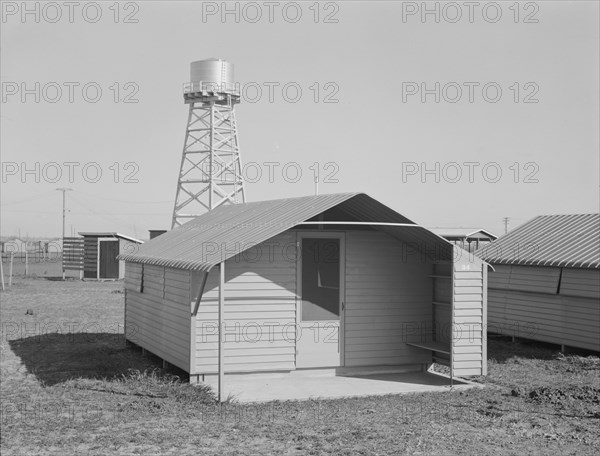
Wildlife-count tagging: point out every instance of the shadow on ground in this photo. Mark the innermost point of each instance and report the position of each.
(502, 349)
(426, 378)
(56, 358)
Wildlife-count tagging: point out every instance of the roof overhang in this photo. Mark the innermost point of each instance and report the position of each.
(229, 230)
(109, 234)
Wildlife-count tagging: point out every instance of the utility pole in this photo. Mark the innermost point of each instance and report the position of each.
(64, 191)
(506, 219)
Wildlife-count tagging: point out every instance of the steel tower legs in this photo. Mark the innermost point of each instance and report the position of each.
(211, 170)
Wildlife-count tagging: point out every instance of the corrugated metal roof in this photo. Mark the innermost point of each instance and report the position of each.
(549, 240)
(462, 232)
(109, 234)
(228, 230)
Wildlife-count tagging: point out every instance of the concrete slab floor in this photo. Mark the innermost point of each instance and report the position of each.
(249, 388)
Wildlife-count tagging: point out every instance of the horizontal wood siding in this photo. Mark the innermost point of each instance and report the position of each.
(468, 341)
(90, 257)
(442, 304)
(158, 319)
(260, 311)
(73, 250)
(584, 283)
(558, 319)
(570, 317)
(133, 276)
(525, 278)
(388, 302)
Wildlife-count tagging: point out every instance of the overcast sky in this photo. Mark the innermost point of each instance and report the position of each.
(455, 118)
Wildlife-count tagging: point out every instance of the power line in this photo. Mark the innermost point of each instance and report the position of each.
(78, 213)
(125, 201)
(108, 217)
(36, 197)
(46, 195)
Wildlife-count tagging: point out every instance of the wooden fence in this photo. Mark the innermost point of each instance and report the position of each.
(72, 258)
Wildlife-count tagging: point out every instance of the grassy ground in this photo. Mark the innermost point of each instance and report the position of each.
(69, 385)
(36, 266)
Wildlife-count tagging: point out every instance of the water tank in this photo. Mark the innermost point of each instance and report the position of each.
(212, 71)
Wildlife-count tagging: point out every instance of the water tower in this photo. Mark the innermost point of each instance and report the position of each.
(211, 171)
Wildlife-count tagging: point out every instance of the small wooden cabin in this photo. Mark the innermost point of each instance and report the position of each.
(470, 239)
(100, 252)
(546, 284)
(330, 281)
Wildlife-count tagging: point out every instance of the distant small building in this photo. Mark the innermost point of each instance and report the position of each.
(14, 245)
(546, 284)
(37, 249)
(100, 251)
(469, 239)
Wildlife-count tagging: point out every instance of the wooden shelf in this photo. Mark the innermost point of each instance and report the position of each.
(439, 347)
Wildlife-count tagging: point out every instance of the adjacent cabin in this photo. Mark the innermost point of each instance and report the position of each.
(546, 284)
(329, 281)
(470, 239)
(100, 252)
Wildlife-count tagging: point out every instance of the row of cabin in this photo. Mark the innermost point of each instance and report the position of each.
(342, 281)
